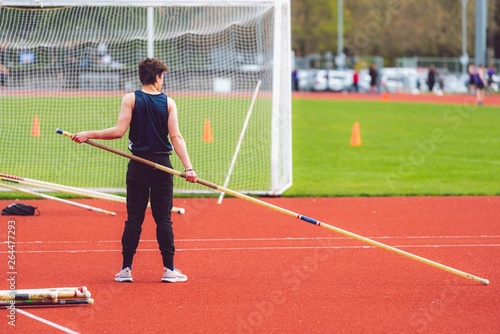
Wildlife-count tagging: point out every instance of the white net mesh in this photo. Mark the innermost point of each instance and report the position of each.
(69, 67)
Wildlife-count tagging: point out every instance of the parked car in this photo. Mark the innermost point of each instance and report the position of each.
(422, 74)
(495, 85)
(442, 76)
(364, 80)
(456, 83)
(320, 81)
(306, 79)
(391, 80)
(333, 80)
(399, 79)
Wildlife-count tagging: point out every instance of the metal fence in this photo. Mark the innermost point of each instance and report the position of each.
(328, 61)
(408, 75)
(449, 64)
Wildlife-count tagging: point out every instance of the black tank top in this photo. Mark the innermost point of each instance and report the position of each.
(149, 125)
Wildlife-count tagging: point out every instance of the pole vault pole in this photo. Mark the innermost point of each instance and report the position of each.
(72, 190)
(83, 206)
(287, 212)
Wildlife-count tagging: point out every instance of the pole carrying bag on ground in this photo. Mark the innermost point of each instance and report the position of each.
(19, 209)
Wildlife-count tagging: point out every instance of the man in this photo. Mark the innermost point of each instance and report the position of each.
(355, 81)
(472, 70)
(490, 73)
(481, 84)
(431, 78)
(152, 117)
(373, 78)
(295, 80)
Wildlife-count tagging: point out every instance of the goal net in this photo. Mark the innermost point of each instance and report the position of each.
(68, 66)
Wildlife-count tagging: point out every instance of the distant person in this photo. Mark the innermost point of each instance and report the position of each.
(491, 72)
(4, 71)
(355, 81)
(472, 78)
(431, 77)
(441, 83)
(480, 84)
(295, 80)
(373, 78)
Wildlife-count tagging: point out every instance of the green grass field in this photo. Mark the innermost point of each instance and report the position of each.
(53, 158)
(408, 148)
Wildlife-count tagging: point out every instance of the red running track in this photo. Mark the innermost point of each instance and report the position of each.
(253, 270)
(462, 99)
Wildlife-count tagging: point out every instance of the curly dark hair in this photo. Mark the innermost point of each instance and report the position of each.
(149, 69)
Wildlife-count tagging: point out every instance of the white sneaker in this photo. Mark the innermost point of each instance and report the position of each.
(173, 276)
(125, 275)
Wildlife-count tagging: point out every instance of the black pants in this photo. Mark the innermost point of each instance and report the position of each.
(144, 182)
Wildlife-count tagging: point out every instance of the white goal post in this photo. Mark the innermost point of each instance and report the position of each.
(68, 63)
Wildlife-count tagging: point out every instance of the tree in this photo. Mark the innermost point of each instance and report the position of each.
(390, 28)
(494, 28)
(314, 26)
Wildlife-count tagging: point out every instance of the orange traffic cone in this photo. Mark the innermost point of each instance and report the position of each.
(35, 127)
(385, 96)
(356, 135)
(207, 132)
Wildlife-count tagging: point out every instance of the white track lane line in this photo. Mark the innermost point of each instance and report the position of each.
(47, 322)
(252, 248)
(267, 239)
